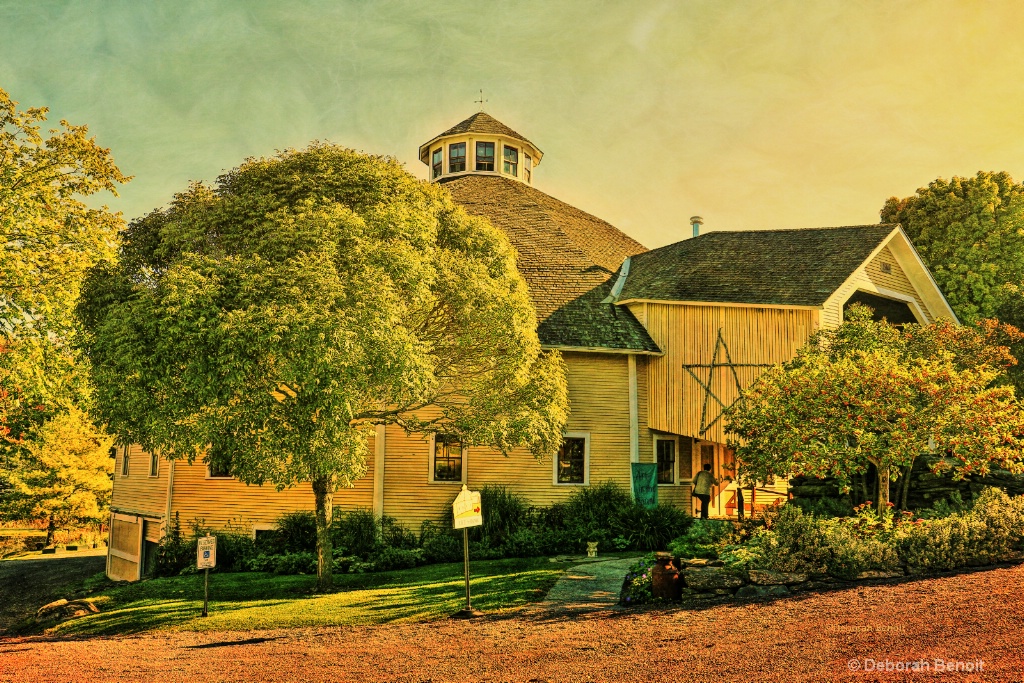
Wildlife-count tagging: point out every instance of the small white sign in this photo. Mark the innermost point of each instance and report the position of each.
(466, 509)
(206, 553)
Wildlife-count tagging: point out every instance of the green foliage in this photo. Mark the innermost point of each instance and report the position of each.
(49, 238)
(866, 393)
(295, 563)
(390, 558)
(357, 532)
(280, 315)
(637, 587)
(504, 513)
(967, 231)
(946, 507)
(703, 538)
(294, 532)
(440, 543)
(824, 507)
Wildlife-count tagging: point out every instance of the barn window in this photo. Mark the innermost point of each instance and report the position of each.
(527, 167)
(447, 458)
(457, 157)
(485, 156)
(572, 464)
(511, 161)
(124, 463)
(154, 465)
(436, 162)
(665, 450)
(887, 268)
(218, 464)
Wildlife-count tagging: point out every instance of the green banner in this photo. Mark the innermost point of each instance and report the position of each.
(645, 484)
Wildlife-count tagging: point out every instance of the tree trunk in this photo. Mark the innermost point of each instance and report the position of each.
(883, 488)
(323, 492)
(905, 485)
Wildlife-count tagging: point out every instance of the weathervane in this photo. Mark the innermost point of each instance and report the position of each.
(481, 101)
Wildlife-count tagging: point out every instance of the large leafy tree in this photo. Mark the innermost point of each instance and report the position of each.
(272, 320)
(867, 393)
(63, 476)
(49, 238)
(970, 232)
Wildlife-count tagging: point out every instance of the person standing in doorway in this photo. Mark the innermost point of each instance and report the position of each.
(702, 484)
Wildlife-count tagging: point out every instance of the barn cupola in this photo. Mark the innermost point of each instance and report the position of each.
(480, 145)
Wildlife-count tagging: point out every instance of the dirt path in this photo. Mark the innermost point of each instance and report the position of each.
(586, 588)
(965, 617)
(31, 581)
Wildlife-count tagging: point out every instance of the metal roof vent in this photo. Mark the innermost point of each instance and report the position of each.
(696, 222)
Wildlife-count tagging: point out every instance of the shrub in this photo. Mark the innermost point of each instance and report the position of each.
(390, 558)
(357, 532)
(176, 552)
(395, 535)
(636, 588)
(295, 533)
(825, 507)
(504, 513)
(703, 538)
(593, 513)
(440, 544)
(295, 563)
(953, 505)
(640, 528)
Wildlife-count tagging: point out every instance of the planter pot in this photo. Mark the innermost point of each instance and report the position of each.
(665, 583)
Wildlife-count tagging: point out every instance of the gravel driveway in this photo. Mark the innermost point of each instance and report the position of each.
(812, 637)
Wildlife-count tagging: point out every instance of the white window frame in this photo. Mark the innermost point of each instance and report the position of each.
(125, 464)
(430, 464)
(513, 164)
(437, 170)
(586, 461)
(675, 440)
(220, 477)
(154, 465)
(262, 526)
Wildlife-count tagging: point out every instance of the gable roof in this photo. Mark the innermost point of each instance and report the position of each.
(779, 267)
(567, 258)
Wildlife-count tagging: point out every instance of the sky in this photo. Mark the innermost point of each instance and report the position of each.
(783, 114)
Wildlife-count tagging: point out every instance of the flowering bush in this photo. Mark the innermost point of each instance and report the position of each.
(636, 590)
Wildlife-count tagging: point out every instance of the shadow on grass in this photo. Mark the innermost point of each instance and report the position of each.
(263, 601)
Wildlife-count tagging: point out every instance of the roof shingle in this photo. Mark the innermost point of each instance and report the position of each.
(567, 258)
(781, 267)
(482, 122)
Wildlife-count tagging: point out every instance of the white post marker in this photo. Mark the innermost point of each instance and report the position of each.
(206, 558)
(466, 512)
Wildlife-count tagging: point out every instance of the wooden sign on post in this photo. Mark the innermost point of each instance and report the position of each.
(206, 558)
(466, 512)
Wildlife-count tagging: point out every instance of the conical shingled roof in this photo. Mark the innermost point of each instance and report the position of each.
(482, 122)
(567, 257)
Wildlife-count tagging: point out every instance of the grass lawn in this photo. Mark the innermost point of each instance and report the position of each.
(256, 600)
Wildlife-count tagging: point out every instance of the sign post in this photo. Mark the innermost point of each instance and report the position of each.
(466, 512)
(206, 557)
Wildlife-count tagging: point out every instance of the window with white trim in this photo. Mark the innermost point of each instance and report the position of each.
(457, 157)
(154, 465)
(447, 459)
(124, 462)
(218, 465)
(572, 464)
(511, 161)
(437, 162)
(485, 156)
(527, 167)
(665, 453)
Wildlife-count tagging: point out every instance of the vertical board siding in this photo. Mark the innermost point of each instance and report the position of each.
(688, 334)
(869, 278)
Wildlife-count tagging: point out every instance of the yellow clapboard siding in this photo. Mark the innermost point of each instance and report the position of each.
(139, 493)
(599, 405)
(688, 335)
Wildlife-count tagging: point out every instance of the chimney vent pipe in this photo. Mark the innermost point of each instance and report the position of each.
(696, 222)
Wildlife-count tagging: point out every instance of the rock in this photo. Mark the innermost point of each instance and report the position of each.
(695, 562)
(722, 591)
(752, 591)
(872, 574)
(710, 578)
(763, 577)
(50, 610)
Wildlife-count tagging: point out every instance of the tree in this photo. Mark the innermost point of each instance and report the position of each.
(867, 393)
(64, 475)
(271, 321)
(968, 231)
(50, 238)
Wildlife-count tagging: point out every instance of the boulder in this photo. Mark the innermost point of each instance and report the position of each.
(51, 610)
(763, 577)
(752, 591)
(710, 578)
(874, 574)
(695, 562)
(63, 609)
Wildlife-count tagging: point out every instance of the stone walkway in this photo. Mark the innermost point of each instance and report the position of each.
(592, 586)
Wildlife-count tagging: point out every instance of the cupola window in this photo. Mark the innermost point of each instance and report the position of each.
(485, 156)
(436, 162)
(457, 157)
(511, 161)
(527, 167)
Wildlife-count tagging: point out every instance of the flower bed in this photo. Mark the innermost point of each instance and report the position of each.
(793, 550)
